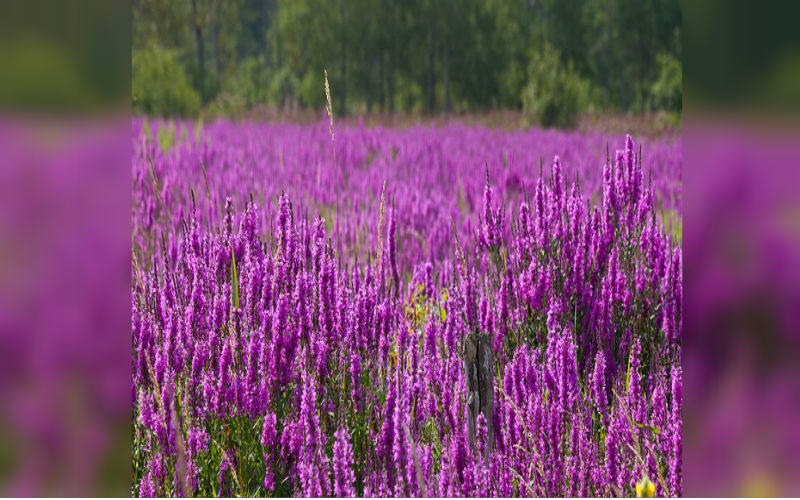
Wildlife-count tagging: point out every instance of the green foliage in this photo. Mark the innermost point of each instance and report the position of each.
(166, 137)
(234, 282)
(555, 94)
(415, 56)
(254, 84)
(160, 86)
(283, 86)
(41, 75)
(310, 90)
(666, 92)
(674, 224)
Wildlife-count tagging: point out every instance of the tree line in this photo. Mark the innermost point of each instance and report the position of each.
(412, 55)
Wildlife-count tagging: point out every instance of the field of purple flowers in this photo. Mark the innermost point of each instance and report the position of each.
(420, 312)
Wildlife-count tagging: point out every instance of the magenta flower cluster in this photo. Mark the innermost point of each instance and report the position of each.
(434, 178)
(276, 353)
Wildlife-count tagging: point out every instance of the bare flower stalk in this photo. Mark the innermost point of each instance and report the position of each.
(380, 226)
(180, 462)
(329, 109)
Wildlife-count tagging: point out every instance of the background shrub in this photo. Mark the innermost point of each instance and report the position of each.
(555, 94)
(160, 86)
(666, 92)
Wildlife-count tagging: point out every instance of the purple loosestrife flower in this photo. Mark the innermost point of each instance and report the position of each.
(309, 326)
(488, 233)
(392, 240)
(253, 289)
(308, 411)
(355, 378)
(248, 228)
(146, 487)
(676, 444)
(612, 454)
(606, 333)
(228, 216)
(575, 213)
(620, 186)
(311, 477)
(381, 329)
(278, 356)
(431, 351)
(198, 441)
(556, 220)
(156, 466)
(160, 367)
(268, 432)
(426, 463)
(318, 244)
(343, 301)
(343, 482)
(458, 453)
(224, 466)
(147, 412)
(634, 378)
(645, 206)
(524, 225)
(429, 290)
(484, 313)
(676, 288)
(541, 289)
(558, 181)
(541, 225)
(253, 389)
(502, 321)
(224, 394)
(574, 464)
(209, 392)
(481, 436)
(569, 374)
(609, 196)
(450, 333)
(386, 440)
(658, 417)
(285, 224)
(191, 470)
(325, 296)
(599, 385)
(269, 475)
(166, 431)
(578, 268)
(400, 447)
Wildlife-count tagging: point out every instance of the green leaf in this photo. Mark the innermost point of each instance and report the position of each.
(647, 427)
(234, 282)
(628, 377)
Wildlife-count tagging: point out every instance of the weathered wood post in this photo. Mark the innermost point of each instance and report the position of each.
(478, 370)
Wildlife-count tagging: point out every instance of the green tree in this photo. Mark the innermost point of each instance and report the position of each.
(417, 55)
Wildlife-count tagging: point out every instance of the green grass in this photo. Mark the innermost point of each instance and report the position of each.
(673, 223)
